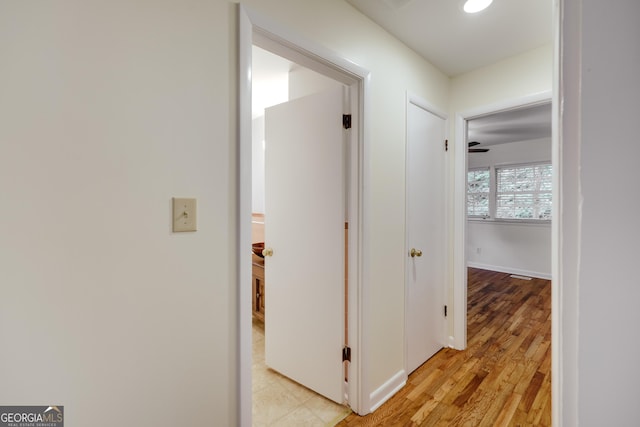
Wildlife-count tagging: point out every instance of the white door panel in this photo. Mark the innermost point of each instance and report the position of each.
(426, 225)
(304, 226)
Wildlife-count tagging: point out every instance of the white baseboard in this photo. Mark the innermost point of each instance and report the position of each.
(452, 342)
(388, 389)
(510, 270)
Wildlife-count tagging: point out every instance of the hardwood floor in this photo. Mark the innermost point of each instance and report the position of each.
(503, 378)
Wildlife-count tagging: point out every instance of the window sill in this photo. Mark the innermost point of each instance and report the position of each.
(501, 221)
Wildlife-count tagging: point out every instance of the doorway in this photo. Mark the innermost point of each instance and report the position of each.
(509, 191)
(461, 248)
(254, 31)
(299, 215)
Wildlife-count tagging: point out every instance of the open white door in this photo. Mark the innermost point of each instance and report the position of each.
(304, 229)
(426, 239)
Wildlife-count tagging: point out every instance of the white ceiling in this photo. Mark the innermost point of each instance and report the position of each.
(506, 28)
(523, 124)
(457, 42)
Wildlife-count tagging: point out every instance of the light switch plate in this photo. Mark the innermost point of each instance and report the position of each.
(184, 214)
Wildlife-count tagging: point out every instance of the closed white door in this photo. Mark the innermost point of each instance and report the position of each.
(426, 226)
(304, 229)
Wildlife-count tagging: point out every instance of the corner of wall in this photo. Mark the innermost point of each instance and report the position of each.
(388, 389)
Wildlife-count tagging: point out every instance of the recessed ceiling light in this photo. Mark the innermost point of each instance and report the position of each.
(473, 6)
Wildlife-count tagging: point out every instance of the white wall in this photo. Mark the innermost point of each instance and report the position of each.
(257, 164)
(600, 287)
(523, 249)
(506, 246)
(108, 110)
(303, 81)
(513, 153)
(513, 78)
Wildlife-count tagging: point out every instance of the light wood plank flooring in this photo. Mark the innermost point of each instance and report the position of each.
(503, 378)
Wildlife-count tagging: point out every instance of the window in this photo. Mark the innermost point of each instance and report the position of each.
(478, 185)
(512, 192)
(524, 192)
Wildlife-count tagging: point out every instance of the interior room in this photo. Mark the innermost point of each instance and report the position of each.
(509, 241)
(277, 400)
(112, 110)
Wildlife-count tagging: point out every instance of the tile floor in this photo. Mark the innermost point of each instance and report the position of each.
(278, 401)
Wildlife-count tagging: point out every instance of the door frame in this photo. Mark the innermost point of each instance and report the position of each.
(425, 105)
(459, 338)
(256, 29)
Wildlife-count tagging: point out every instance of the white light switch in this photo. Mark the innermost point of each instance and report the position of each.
(184, 214)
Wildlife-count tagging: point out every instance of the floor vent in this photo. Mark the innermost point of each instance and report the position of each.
(515, 276)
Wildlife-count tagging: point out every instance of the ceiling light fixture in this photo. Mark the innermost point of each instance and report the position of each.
(473, 6)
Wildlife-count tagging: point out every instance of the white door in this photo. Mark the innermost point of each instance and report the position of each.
(426, 226)
(304, 228)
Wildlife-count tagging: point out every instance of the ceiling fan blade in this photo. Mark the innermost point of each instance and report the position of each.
(473, 143)
(478, 150)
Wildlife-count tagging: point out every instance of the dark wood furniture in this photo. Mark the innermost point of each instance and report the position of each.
(257, 287)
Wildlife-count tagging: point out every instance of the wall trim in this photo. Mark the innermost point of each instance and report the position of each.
(451, 341)
(388, 389)
(513, 223)
(565, 235)
(414, 99)
(509, 270)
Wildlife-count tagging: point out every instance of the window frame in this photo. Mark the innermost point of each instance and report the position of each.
(534, 192)
(493, 195)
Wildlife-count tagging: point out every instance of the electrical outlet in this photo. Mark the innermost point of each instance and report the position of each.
(184, 215)
(478, 251)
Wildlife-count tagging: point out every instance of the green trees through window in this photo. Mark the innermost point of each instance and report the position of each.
(514, 192)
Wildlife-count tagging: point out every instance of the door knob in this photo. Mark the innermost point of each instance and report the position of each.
(267, 252)
(415, 252)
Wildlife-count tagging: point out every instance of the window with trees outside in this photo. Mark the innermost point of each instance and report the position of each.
(524, 192)
(513, 192)
(478, 185)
